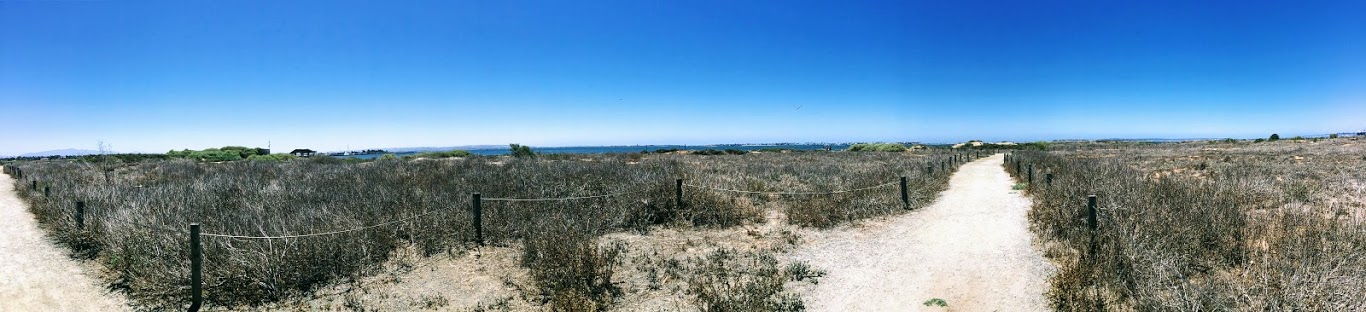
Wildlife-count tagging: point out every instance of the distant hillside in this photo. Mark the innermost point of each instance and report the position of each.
(61, 152)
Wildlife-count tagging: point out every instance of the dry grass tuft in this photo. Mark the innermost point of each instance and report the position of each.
(136, 216)
(1234, 227)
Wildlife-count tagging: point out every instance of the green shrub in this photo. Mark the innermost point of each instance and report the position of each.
(272, 157)
(1333, 136)
(446, 154)
(1274, 137)
(520, 151)
(877, 147)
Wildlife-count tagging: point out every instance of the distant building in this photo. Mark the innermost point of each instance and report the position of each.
(303, 152)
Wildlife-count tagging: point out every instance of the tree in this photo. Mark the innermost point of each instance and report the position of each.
(105, 165)
(1274, 137)
(1333, 136)
(520, 151)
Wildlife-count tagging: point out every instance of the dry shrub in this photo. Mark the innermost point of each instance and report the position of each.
(718, 285)
(570, 268)
(1222, 241)
(137, 218)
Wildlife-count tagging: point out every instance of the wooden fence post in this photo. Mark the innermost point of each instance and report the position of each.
(1091, 220)
(196, 263)
(1031, 174)
(1091, 254)
(929, 170)
(35, 184)
(478, 220)
(47, 190)
(678, 193)
(905, 197)
(80, 215)
(1048, 179)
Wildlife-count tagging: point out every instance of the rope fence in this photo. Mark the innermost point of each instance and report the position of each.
(563, 198)
(791, 193)
(195, 233)
(286, 236)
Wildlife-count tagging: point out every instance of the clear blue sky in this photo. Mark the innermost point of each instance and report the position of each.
(153, 76)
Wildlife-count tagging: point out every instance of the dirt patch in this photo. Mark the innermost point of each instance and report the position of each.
(38, 275)
(488, 278)
(970, 251)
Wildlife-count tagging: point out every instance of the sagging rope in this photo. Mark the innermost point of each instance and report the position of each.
(791, 193)
(320, 233)
(561, 198)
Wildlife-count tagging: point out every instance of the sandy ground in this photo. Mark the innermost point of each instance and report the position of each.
(36, 275)
(972, 249)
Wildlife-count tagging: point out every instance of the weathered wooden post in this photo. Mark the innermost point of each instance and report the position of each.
(1091, 254)
(905, 197)
(678, 193)
(80, 215)
(478, 220)
(1048, 179)
(35, 184)
(929, 170)
(1017, 167)
(196, 282)
(47, 190)
(1091, 220)
(1031, 174)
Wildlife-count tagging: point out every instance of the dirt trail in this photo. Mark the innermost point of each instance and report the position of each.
(36, 275)
(972, 248)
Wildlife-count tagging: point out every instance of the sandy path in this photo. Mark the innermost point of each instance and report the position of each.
(971, 248)
(36, 275)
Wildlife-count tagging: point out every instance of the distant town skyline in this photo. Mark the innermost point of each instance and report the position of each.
(152, 76)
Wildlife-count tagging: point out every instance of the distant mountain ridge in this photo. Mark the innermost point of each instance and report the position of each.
(61, 152)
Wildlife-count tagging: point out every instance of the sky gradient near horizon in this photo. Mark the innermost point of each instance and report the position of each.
(149, 76)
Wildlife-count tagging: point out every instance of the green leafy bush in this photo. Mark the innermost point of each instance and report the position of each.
(877, 147)
(272, 157)
(521, 151)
